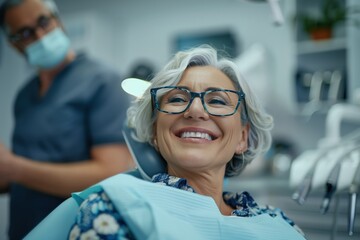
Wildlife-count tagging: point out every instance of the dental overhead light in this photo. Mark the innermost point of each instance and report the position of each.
(134, 86)
(275, 9)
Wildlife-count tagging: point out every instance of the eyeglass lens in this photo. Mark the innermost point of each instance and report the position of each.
(216, 102)
(27, 34)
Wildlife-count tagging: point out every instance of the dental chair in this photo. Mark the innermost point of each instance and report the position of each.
(148, 162)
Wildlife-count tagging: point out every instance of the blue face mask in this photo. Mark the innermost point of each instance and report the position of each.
(49, 51)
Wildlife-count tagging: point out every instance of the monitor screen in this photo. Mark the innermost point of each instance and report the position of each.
(224, 42)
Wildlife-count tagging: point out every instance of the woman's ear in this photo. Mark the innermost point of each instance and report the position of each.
(242, 145)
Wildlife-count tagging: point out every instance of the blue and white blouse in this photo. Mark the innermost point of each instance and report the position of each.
(98, 218)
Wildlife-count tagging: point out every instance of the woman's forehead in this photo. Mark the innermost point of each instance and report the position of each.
(204, 77)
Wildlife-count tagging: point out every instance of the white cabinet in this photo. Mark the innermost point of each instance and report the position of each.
(313, 48)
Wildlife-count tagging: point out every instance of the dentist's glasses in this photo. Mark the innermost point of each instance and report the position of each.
(27, 34)
(216, 102)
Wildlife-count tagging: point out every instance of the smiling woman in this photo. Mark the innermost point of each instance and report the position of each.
(205, 123)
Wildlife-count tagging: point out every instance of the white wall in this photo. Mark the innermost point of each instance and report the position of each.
(143, 29)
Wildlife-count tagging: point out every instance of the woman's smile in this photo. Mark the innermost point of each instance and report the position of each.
(195, 134)
(198, 135)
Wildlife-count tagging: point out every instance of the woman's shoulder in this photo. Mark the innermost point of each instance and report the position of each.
(246, 206)
(98, 219)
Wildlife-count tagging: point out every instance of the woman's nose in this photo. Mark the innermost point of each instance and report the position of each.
(196, 110)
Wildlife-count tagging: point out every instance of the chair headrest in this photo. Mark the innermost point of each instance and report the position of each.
(149, 162)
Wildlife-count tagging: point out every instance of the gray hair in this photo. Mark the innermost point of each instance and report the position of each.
(142, 117)
(8, 4)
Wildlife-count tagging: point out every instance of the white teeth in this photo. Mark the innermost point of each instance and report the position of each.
(196, 135)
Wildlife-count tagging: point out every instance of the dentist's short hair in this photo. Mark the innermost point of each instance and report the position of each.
(8, 4)
(142, 115)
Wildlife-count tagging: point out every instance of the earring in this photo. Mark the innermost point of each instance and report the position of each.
(156, 144)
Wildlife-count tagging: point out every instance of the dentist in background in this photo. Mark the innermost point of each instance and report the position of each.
(68, 118)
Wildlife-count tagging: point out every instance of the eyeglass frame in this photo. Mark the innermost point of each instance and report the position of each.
(18, 37)
(193, 95)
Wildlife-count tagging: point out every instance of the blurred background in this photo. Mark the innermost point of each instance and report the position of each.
(298, 75)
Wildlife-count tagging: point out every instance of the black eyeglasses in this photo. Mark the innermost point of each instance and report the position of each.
(28, 34)
(216, 102)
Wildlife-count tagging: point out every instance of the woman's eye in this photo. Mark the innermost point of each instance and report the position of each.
(217, 101)
(176, 99)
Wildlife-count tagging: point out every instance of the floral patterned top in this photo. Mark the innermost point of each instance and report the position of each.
(98, 218)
